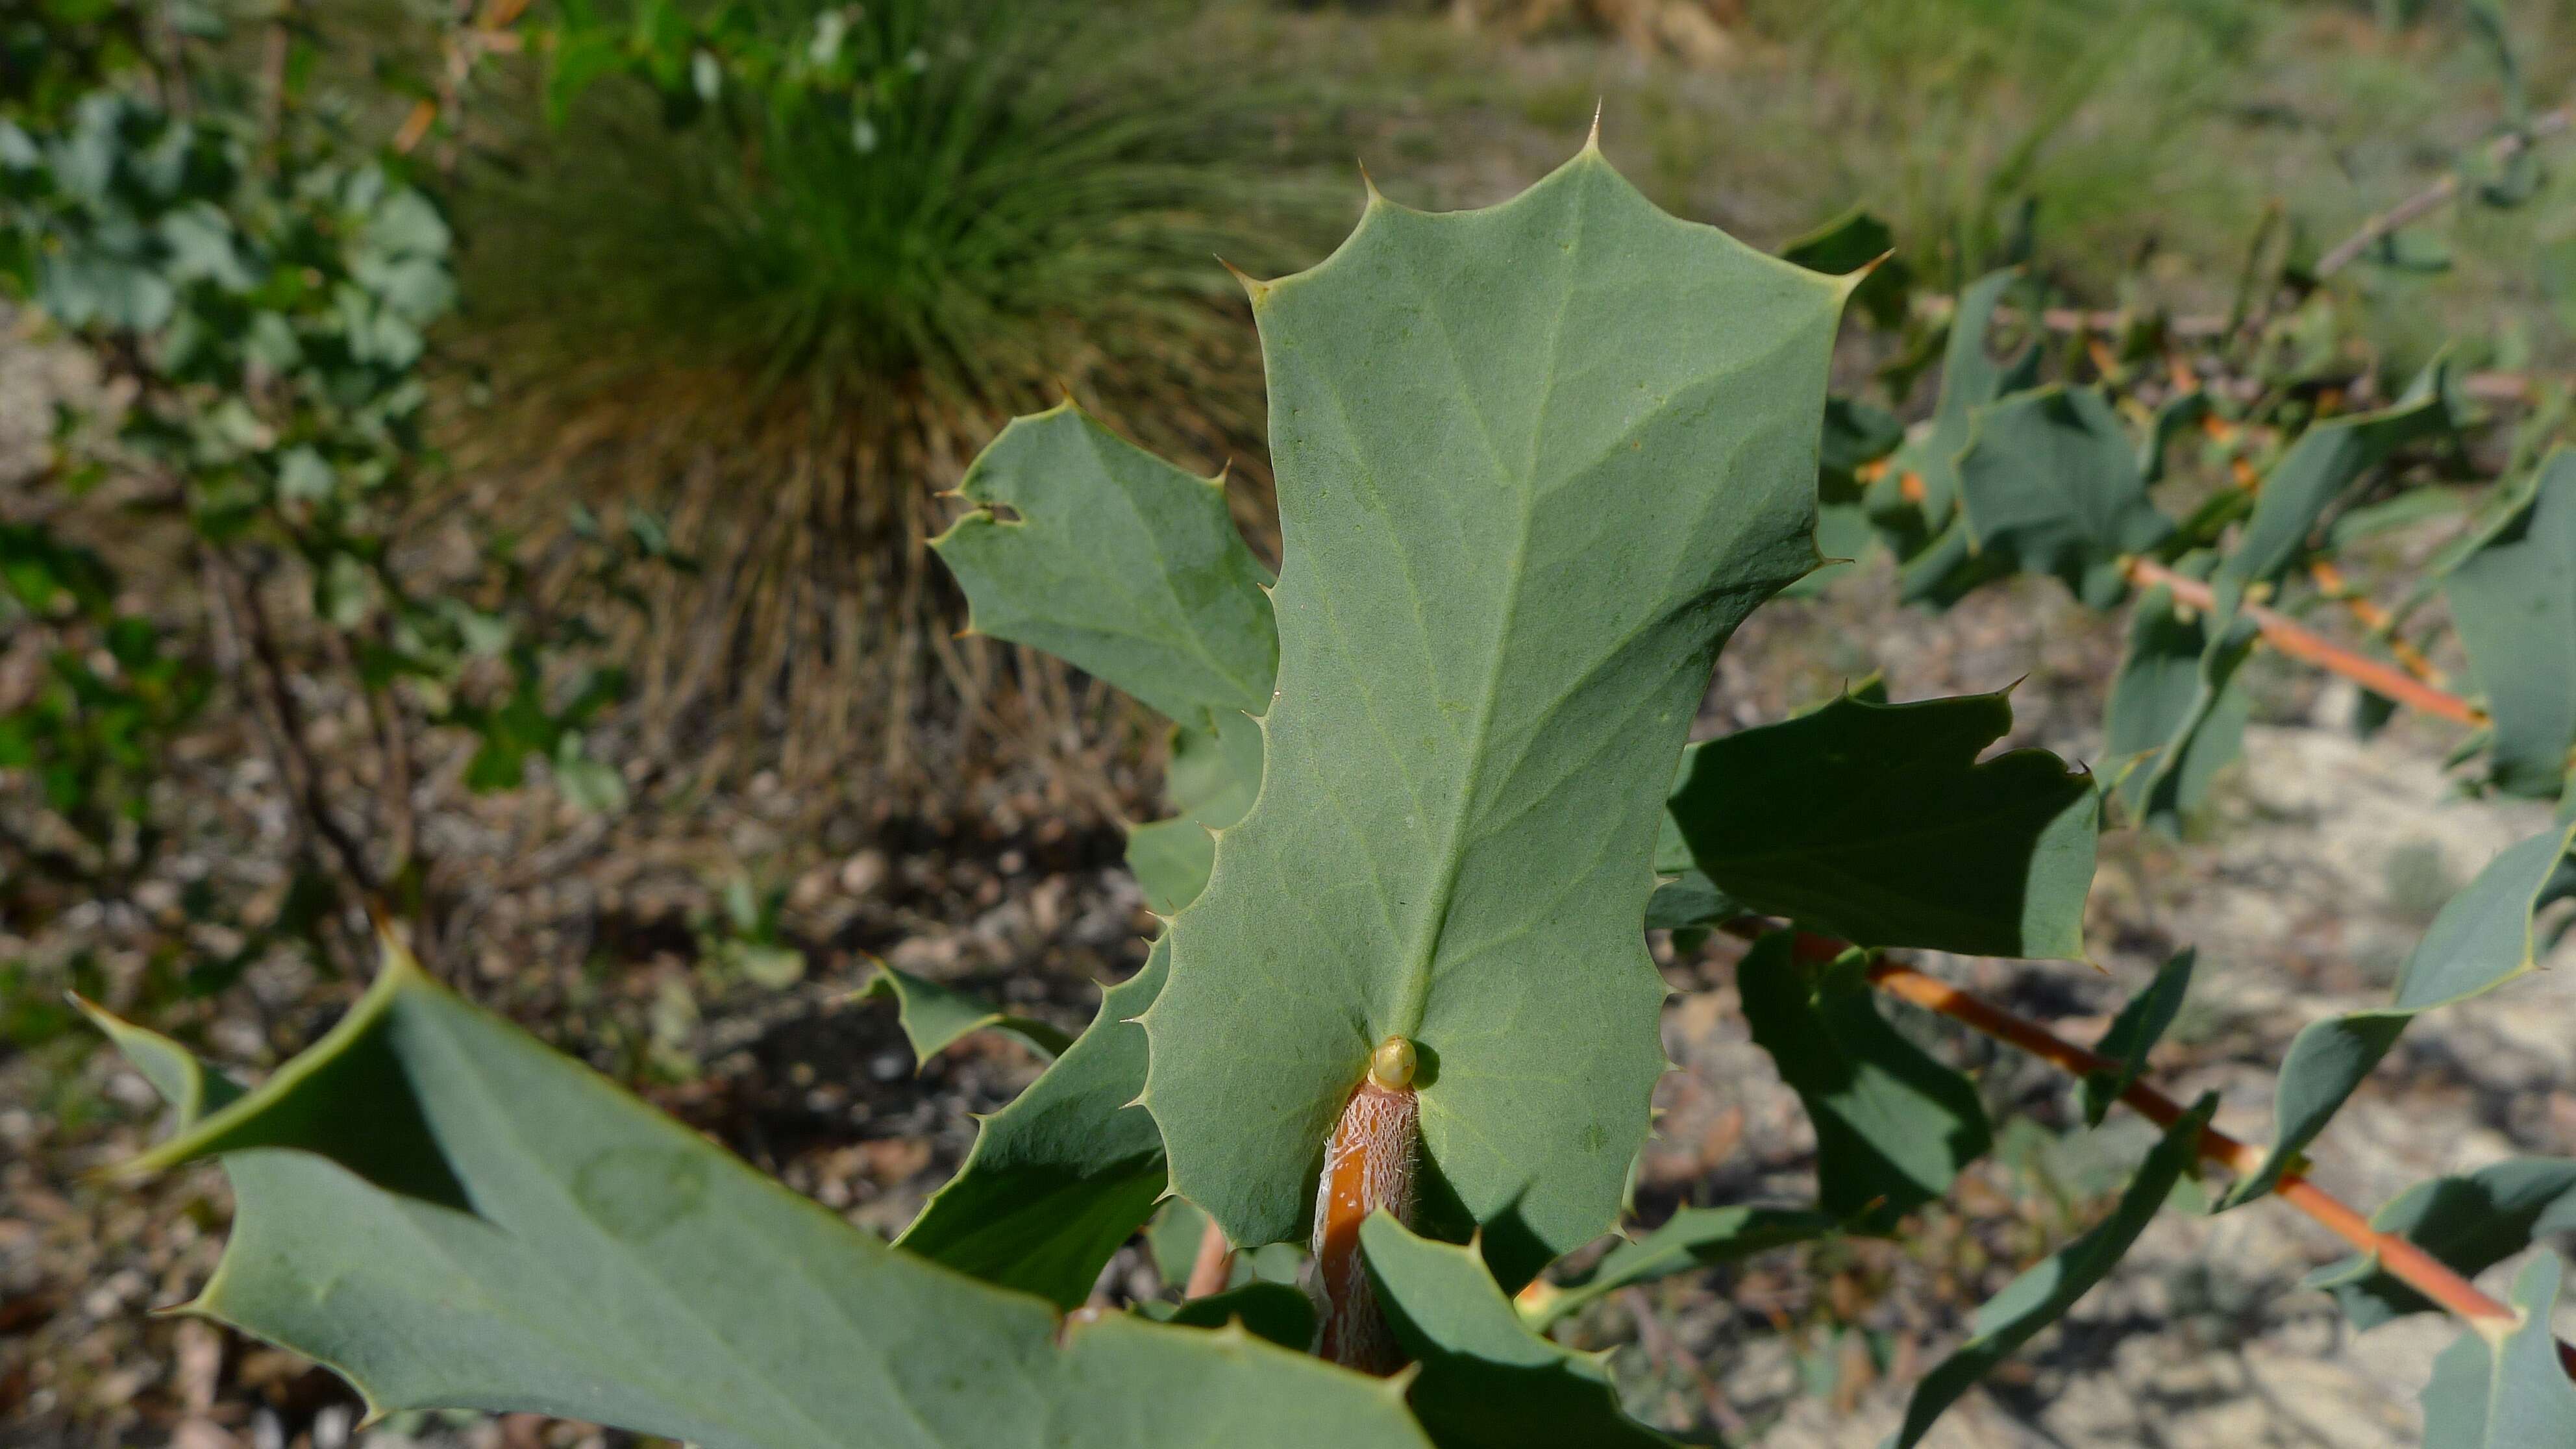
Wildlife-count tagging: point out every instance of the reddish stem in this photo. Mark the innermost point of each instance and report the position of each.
(1214, 1266)
(2301, 642)
(2402, 1259)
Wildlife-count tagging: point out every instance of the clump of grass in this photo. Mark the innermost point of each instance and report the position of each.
(788, 331)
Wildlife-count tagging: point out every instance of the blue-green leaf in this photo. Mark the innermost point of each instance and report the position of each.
(1059, 1178)
(1486, 1380)
(2514, 601)
(2178, 712)
(1691, 1238)
(2512, 1393)
(2041, 1295)
(934, 1017)
(2320, 467)
(2482, 938)
(2050, 480)
(599, 1260)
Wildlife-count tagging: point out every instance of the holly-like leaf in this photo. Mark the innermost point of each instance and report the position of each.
(1116, 562)
(2135, 1032)
(2511, 1393)
(602, 1261)
(1113, 560)
(2050, 480)
(2177, 714)
(1893, 1126)
(2482, 938)
(1062, 1176)
(1970, 379)
(1486, 1379)
(2470, 1221)
(2514, 601)
(1878, 823)
(1534, 464)
(934, 1017)
(2320, 467)
(2043, 1293)
(1691, 1238)
(1211, 781)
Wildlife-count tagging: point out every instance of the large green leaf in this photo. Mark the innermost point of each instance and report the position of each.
(2050, 480)
(1691, 1238)
(935, 1017)
(2325, 462)
(1059, 1178)
(2482, 938)
(1893, 1126)
(1117, 562)
(2511, 1393)
(1879, 824)
(2043, 1293)
(606, 1263)
(2177, 713)
(2470, 1221)
(1486, 1379)
(1534, 464)
(2514, 601)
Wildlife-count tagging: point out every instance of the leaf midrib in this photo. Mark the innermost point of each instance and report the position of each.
(1414, 984)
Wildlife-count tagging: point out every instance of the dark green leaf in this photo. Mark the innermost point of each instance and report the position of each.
(1893, 1126)
(602, 1261)
(1848, 243)
(2134, 1033)
(1486, 1380)
(2042, 1294)
(1279, 1312)
(1058, 1179)
(1879, 824)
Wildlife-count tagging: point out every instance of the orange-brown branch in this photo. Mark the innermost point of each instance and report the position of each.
(2365, 611)
(2401, 1259)
(1214, 1266)
(2301, 642)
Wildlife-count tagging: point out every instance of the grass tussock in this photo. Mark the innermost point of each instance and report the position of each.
(786, 335)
